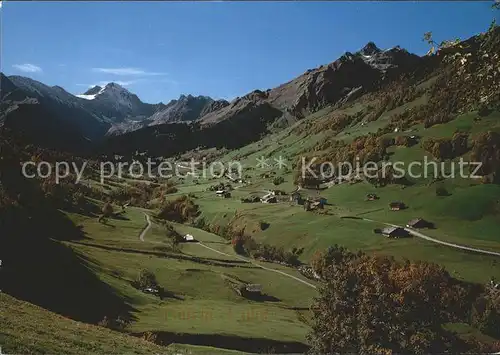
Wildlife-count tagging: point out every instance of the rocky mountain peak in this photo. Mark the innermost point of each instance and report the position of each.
(114, 87)
(186, 108)
(93, 90)
(370, 49)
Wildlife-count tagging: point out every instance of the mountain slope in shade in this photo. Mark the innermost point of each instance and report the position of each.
(248, 118)
(53, 111)
(185, 109)
(114, 110)
(93, 91)
(344, 79)
(361, 72)
(116, 104)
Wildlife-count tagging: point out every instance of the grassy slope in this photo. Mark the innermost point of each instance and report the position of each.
(28, 329)
(205, 304)
(468, 216)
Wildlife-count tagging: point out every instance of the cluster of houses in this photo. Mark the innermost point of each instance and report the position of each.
(221, 190)
(309, 203)
(273, 196)
(354, 178)
(221, 186)
(233, 179)
(269, 198)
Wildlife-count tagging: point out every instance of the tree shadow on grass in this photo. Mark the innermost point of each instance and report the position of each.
(120, 216)
(223, 243)
(169, 294)
(262, 298)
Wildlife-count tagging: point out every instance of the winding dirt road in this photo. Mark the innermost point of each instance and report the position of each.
(143, 233)
(258, 265)
(148, 227)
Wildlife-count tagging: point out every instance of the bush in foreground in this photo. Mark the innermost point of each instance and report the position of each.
(377, 305)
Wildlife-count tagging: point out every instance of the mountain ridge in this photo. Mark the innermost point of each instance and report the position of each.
(117, 111)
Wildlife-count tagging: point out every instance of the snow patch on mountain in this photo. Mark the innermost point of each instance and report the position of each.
(86, 97)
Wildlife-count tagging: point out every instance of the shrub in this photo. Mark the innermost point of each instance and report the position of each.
(150, 336)
(107, 210)
(404, 141)
(78, 199)
(485, 314)
(441, 191)
(278, 180)
(486, 149)
(170, 189)
(484, 110)
(245, 245)
(118, 323)
(179, 210)
(242, 244)
(145, 279)
(200, 223)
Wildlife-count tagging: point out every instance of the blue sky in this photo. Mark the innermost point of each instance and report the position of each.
(160, 50)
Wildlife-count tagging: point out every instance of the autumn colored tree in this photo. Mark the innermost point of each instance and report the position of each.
(428, 38)
(107, 210)
(485, 314)
(402, 141)
(459, 143)
(146, 279)
(180, 210)
(238, 243)
(334, 255)
(486, 150)
(377, 305)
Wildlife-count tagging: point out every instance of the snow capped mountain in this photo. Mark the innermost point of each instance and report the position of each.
(94, 90)
(388, 59)
(111, 107)
(119, 96)
(370, 49)
(116, 104)
(91, 93)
